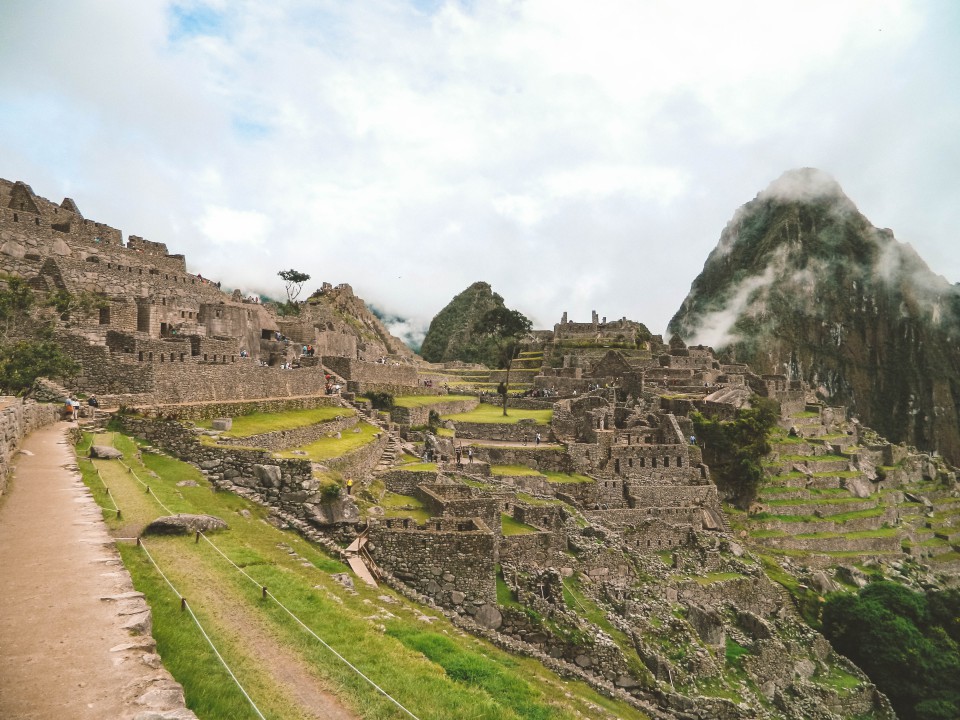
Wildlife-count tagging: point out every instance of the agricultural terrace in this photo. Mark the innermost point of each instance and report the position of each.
(332, 447)
(413, 401)
(254, 614)
(493, 415)
(260, 423)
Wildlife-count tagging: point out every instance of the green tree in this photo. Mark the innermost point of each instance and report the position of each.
(16, 301)
(75, 307)
(293, 281)
(734, 448)
(890, 632)
(505, 328)
(22, 362)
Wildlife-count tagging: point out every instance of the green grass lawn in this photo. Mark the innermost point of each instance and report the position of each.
(571, 478)
(514, 470)
(259, 423)
(415, 401)
(326, 448)
(514, 527)
(493, 414)
(395, 505)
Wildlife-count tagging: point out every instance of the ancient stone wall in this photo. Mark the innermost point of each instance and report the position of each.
(19, 418)
(533, 549)
(405, 482)
(543, 458)
(545, 517)
(421, 415)
(448, 559)
(517, 432)
(204, 410)
(441, 500)
(362, 372)
(521, 403)
(672, 495)
(362, 460)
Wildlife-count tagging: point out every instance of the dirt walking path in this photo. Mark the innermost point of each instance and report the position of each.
(74, 637)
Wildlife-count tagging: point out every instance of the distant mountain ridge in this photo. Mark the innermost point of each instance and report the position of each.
(802, 283)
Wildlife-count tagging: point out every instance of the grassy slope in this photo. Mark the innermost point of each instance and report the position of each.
(433, 669)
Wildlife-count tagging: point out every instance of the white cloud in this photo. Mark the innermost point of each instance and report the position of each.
(226, 226)
(575, 156)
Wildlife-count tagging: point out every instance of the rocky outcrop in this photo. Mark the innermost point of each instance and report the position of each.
(184, 524)
(801, 283)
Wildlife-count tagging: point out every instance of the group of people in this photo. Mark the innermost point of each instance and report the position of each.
(71, 406)
(307, 350)
(459, 455)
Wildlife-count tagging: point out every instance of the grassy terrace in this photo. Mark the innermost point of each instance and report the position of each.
(493, 414)
(414, 401)
(515, 527)
(331, 447)
(786, 502)
(259, 423)
(433, 669)
(568, 478)
(835, 518)
(395, 505)
(514, 470)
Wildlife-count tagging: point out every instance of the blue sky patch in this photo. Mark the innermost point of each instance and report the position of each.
(191, 20)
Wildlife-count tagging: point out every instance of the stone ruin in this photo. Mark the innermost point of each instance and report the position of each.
(161, 334)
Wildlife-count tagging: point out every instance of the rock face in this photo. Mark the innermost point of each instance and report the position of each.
(451, 337)
(105, 452)
(184, 525)
(801, 283)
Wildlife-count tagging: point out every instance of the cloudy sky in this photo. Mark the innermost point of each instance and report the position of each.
(575, 155)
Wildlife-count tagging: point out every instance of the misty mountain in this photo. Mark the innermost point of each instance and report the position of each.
(410, 331)
(801, 283)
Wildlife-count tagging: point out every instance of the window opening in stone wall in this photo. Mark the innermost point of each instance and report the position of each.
(36, 221)
(666, 461)
(653, 462)
(679, 461)
(16, 218)
(181, 356)
(143, 317)
(105, 316)
(616, 466)
(140, 356)
(266, 335)
(164, 330)
(150, 357)
(161, 357)
(204, 357)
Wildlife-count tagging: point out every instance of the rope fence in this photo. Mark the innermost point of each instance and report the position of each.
(106, 487)
(265, 593)
(184, 605)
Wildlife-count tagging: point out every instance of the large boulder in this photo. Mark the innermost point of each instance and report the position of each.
(105, 452)
(184, 525)
(336, 512)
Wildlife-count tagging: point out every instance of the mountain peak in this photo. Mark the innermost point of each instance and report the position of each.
(803, 185)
